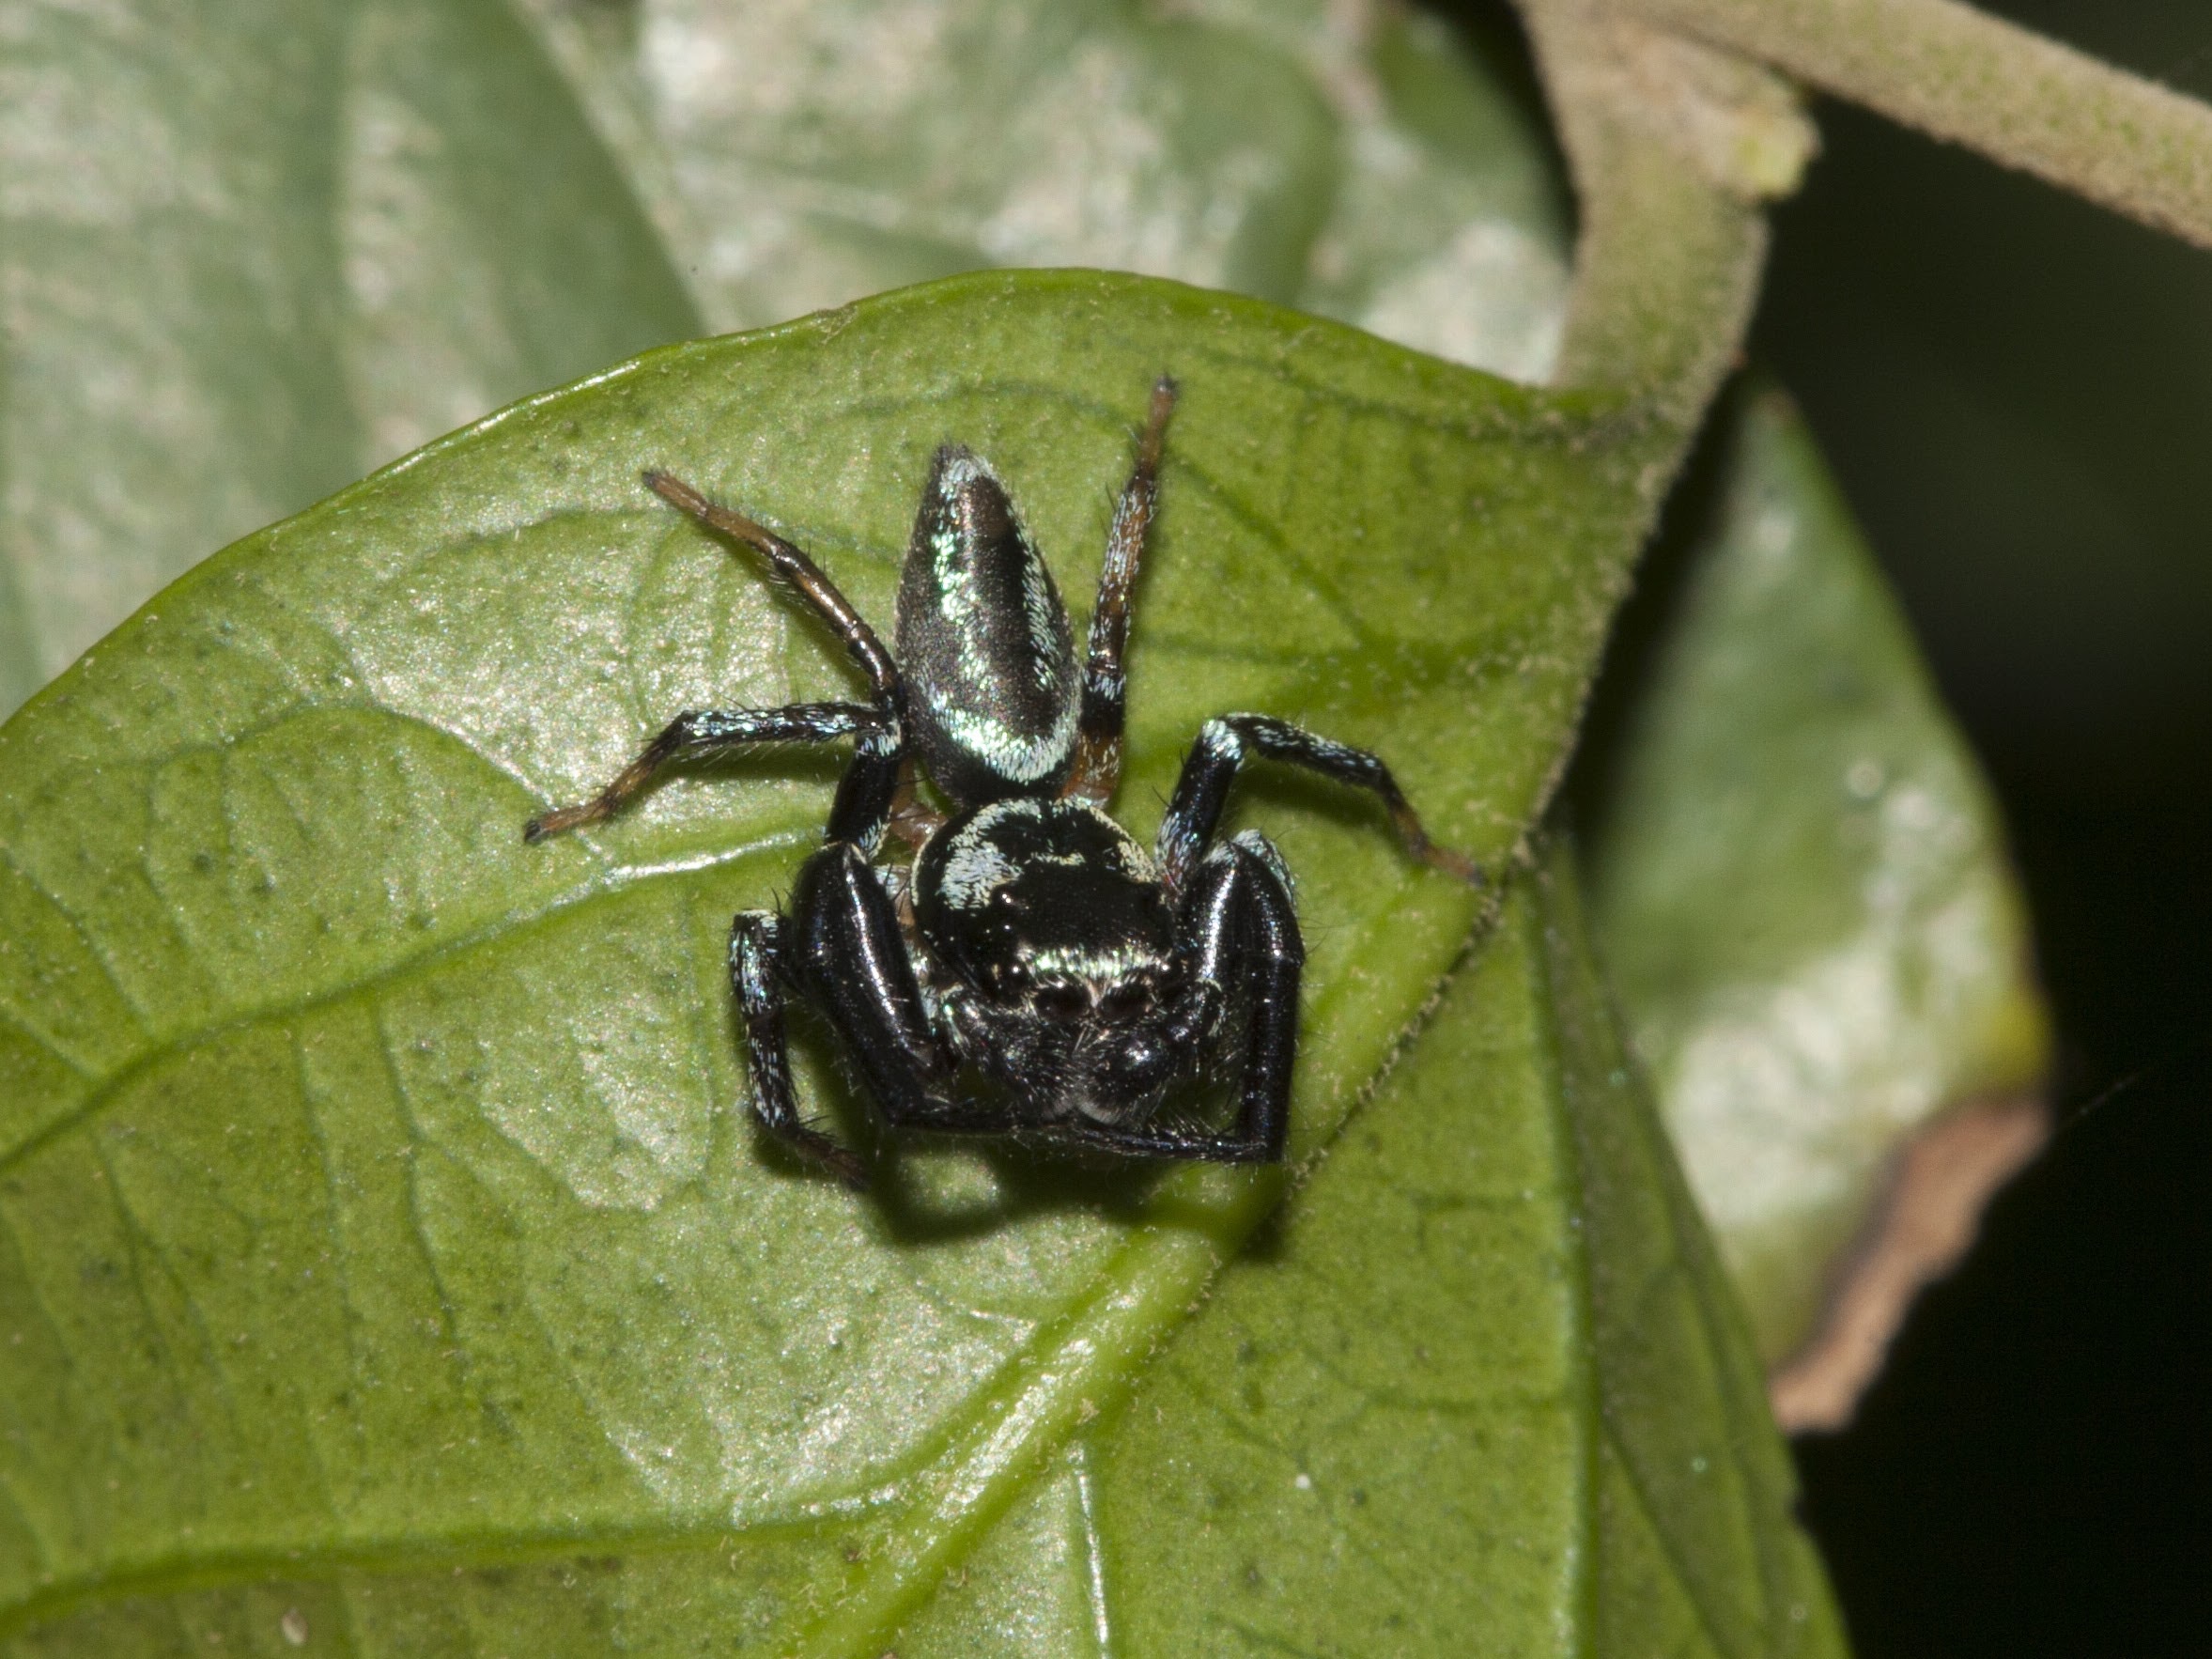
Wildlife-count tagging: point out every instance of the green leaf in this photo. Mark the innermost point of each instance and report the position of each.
(376, 1197)
(1480, 1390)
(251, 251)
(1799, 880)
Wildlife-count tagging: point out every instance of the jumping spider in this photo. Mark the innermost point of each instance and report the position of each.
(1034, 939)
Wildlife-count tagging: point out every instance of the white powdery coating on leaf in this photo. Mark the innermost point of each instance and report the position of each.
(1788, 1102)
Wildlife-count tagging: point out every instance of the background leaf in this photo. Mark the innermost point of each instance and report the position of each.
(250, 254)
(1798, 877)
(251, 251)
(1372, 166)
(379, 1202)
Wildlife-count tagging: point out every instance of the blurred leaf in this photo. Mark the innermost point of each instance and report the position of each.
(390, 217)
(1364, 163)
(1799, 880)
(802, 155)
(374, 1193)
(251, 251)
(1451, 231)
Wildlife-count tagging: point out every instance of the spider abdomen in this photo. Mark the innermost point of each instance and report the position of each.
(984, 640)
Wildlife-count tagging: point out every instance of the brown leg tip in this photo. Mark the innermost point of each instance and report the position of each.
(674, 492)
(560, 822)
(1454, 863)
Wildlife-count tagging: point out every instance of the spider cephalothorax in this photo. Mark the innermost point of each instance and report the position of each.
(1034, 945)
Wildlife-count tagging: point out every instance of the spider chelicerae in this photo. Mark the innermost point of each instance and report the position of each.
(1033, 944)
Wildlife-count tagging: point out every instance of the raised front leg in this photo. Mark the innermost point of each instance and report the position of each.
(841, 948)
(1225, 743)
(851, 957)
(1098, 728)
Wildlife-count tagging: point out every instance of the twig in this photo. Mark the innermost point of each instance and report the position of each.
(1672, 147)
(2014, 96)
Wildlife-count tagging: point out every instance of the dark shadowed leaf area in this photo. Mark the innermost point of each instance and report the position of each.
(387, 1264)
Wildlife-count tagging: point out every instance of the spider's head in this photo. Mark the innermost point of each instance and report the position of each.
(1054, 922)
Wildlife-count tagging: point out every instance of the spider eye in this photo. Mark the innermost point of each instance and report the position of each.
(1060, 1002)
(1126, 1000)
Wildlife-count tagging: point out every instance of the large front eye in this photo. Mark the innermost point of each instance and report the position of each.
(1061, 1003)
(1126, 1000)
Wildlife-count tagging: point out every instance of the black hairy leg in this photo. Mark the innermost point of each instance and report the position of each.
(697, 732)
(1226, 741)
(850, 957)
(759, 975)
(1242, 952)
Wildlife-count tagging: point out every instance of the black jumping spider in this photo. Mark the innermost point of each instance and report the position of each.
(1034, 939)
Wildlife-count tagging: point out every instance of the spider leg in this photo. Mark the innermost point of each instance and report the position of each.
(708, 731)
(851, 958)
(1241, 931)
(802, 573)
(1098, 725)
(759, 970)
(1226, 742)
(866, 795)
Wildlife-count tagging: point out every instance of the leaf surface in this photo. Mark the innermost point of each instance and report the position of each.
(374, 1191)
(1479, 1389)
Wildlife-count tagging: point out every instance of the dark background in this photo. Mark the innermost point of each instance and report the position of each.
(2016, 389)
